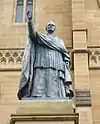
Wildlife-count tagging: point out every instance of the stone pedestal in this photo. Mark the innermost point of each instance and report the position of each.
(45, 112)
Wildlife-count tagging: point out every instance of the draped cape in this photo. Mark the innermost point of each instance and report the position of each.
(29, 58)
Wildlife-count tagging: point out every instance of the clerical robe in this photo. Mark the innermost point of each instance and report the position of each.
(45, 69)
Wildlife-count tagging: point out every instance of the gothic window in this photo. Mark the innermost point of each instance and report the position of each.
(19, 11)
(29, 6)
(22, 6)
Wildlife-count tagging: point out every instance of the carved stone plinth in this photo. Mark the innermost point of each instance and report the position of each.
(45, 112)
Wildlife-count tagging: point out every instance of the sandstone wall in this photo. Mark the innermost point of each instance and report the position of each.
(78, 25)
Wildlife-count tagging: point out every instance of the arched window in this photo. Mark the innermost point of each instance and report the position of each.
(19, 11)
(22, 6)
(29, 6)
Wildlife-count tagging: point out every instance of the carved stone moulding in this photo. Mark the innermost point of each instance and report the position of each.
(82, 98)
(11, 58)
(94, 58)
(68, 118)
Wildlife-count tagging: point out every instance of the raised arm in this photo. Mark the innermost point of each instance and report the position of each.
(32, 33)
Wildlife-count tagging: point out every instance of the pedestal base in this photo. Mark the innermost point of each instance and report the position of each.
(45, 112)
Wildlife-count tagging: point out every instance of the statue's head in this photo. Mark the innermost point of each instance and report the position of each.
(50, 27)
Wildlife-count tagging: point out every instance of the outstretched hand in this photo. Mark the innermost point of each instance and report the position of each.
(29, 15)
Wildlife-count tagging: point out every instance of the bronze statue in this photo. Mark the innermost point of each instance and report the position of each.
(46, 66)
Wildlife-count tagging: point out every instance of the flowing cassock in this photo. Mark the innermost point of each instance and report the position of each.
(29, 64)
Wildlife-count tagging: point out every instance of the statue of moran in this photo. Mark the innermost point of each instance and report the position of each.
(45, 66)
